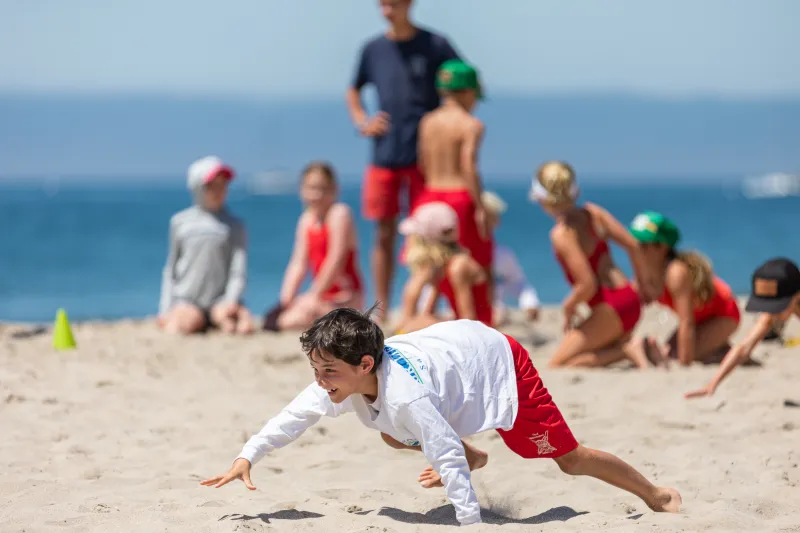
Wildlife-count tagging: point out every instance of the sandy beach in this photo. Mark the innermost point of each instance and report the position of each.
(116, 435)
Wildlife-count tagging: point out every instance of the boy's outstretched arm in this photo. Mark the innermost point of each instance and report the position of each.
(302, 413)
(443, 449)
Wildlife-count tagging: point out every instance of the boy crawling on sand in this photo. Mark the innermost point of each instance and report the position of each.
(428, 389)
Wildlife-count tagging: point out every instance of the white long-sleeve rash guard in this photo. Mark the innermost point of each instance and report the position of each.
(435, 386)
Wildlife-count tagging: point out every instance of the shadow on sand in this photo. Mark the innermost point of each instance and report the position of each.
(287, 514)
(446, 516)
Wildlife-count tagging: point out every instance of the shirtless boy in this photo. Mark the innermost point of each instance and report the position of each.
(449, 141)
(426, 391)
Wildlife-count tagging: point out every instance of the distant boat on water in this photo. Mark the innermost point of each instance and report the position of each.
(773, 185)
(271, 182)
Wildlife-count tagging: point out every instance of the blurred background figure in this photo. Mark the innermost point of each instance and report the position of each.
(510, 282)
(440, 264)
(707, 311)
(401, 65)
(206, 272)
(580, 238)
(326, 243)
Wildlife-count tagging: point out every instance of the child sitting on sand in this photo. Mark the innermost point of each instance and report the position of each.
(580, 242)
(510, 282)
(325, 243)
(438, 262)
(775, 295)
(707, 310)
(427, 390)
(206, 271)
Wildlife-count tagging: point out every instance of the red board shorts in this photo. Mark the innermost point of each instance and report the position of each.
(468, 236)
(380, 198)
(539, 429)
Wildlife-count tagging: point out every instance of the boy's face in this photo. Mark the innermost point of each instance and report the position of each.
(338, 378)
(216, 191)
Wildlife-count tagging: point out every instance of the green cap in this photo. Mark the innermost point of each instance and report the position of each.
(652, 227)
(457, 75)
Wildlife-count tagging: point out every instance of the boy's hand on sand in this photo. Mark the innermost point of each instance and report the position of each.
(239, 470)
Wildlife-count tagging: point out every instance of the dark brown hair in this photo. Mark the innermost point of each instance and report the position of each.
(346, 334)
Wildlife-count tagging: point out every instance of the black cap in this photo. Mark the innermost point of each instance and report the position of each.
(774, 285)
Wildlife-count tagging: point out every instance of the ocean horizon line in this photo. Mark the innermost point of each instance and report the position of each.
(354, 178)
(787, 97)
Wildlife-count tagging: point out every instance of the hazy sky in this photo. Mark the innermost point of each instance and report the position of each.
(301, 48)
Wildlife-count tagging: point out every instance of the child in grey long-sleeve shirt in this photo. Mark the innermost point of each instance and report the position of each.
(206, 271)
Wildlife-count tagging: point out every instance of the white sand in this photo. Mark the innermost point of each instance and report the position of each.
(116, 436)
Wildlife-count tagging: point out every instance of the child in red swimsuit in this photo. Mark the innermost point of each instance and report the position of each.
(707, 310)
(326, 244)
(436, 259)
(579, 241)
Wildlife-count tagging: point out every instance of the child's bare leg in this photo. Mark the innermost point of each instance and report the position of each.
(184, 319)
(223, 315)
(584, 461)
(430, 478)
(603, 328)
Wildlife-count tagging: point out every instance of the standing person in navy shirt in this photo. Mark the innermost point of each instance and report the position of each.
(402, 65)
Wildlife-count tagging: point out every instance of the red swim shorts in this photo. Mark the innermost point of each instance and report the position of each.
(539, 429)
(480, 296)
(469, 237)
(380, 198)
(624, 301)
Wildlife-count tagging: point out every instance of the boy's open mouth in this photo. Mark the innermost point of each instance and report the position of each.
(331, 391)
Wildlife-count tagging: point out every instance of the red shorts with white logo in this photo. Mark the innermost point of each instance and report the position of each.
(539, 430)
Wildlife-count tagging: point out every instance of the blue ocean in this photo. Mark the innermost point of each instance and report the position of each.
(97, 248)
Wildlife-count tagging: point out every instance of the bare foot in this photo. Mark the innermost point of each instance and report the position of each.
(244, 326)
(667, 501)
(636, 350)
(656, 354)
(430, 478)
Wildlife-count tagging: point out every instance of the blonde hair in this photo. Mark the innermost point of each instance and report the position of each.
(558, 179)
(423, 252)
(701, 272)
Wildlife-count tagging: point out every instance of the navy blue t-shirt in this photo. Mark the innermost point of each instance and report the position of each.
(404, 74)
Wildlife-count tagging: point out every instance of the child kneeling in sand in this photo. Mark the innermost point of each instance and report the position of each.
(775, 295)
(429, 389)
(440, 264)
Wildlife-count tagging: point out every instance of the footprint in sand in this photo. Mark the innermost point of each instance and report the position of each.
(213, 503)
(15, 398)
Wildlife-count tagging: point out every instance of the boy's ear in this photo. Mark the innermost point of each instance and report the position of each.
(367, 363)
